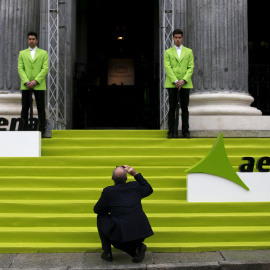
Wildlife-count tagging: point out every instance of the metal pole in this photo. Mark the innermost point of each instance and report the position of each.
(57, 61)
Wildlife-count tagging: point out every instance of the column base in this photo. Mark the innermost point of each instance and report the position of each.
(10, 105)
(221, 103)
(229, 113)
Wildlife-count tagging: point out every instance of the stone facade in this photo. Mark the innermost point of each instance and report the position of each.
(17, 18)
(215, 30)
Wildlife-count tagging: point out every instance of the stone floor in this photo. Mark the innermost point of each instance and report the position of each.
(223, 260)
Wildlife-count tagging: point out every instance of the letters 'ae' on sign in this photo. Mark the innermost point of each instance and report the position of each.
(260, 164)
(17, 124)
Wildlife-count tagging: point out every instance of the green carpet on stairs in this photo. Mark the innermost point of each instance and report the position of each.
(46, 203)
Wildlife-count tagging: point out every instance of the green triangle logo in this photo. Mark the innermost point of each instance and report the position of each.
(216, 162)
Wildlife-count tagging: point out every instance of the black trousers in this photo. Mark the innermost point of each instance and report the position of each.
(104, 225)
(184, 101)
(40, 101)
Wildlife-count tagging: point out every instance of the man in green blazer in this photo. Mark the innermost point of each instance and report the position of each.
(179, 65)
(33, 67)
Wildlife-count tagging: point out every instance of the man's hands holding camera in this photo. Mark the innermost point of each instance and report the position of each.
(130, 170)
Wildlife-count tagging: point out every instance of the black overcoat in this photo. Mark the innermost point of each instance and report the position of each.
(128, 221)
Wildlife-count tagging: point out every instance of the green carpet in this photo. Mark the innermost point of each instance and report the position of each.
(46, 204)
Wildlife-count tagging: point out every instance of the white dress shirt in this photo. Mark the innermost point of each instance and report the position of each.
(179, 50)
(33, 51)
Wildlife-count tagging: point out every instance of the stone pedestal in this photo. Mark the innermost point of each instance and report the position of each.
(230, 122)
(230, 125)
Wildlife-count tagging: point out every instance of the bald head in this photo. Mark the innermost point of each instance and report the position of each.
(119, 175)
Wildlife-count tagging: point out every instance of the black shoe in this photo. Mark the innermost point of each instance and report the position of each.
(140, 253)
(186, 135)
(170, 135)
(106, 256)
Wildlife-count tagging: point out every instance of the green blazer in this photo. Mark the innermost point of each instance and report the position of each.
(35, 69)
(178, 69)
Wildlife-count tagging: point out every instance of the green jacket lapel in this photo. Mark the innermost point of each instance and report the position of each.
(36, 54)
(174, 51)
(28, 53)
(183, 52)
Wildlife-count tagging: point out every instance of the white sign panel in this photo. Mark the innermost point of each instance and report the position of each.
(203, 187)
(20, 144)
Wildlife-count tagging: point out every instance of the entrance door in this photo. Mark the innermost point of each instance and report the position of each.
(117, 65)
(259, 56)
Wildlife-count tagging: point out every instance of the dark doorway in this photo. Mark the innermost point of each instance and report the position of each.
(259, 55)
(117, 65)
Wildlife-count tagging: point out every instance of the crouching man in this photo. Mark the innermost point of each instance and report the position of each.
(121, 220)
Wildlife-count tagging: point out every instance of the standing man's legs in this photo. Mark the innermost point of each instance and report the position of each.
(171, 114)
(40, 101)
(25, 107)
(184, 101)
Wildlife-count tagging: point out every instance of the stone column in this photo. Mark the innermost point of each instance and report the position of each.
(180, 8)
(217, 34)
(17, 18)
(43, 34)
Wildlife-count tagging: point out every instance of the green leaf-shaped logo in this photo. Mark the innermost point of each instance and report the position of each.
(216, 162)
